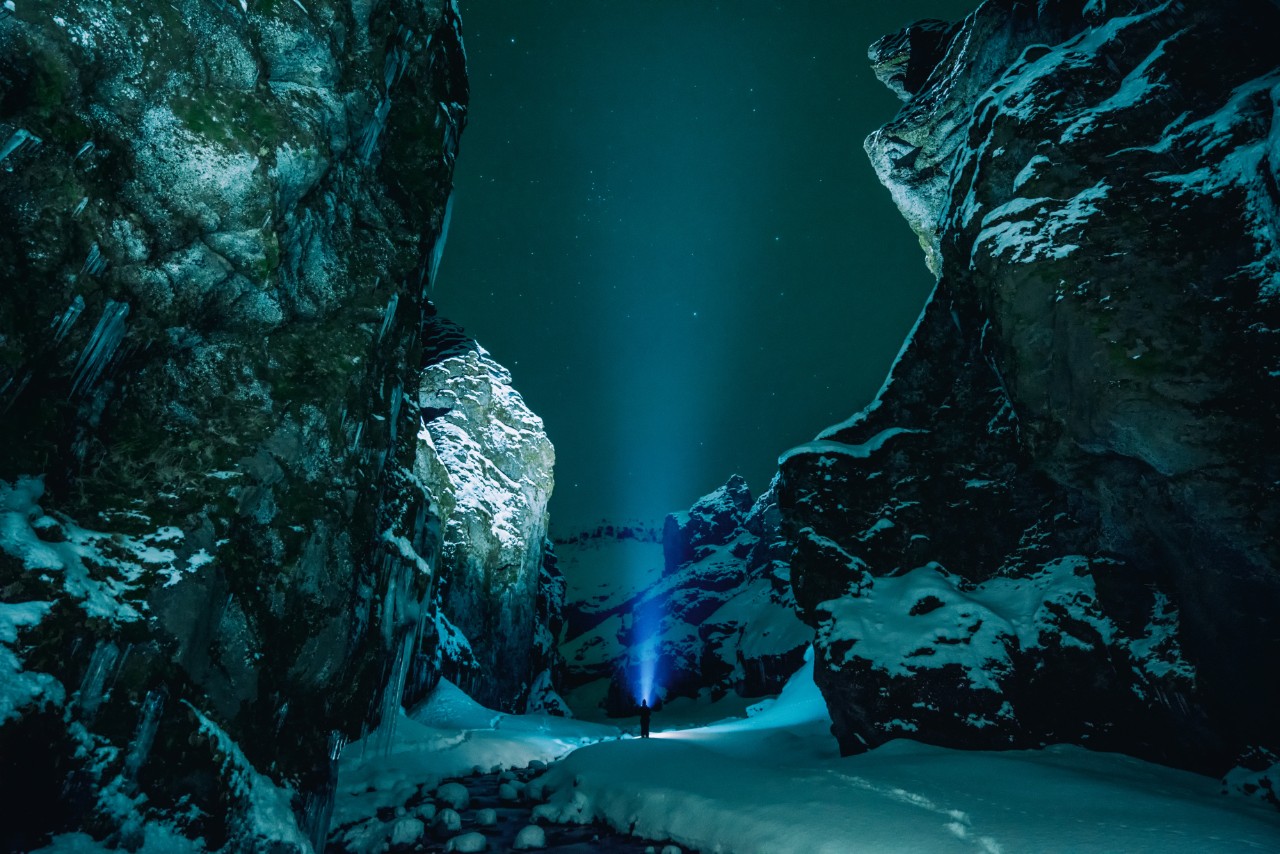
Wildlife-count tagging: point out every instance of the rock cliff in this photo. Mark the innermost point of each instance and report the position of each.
(704, 608)
(490, 454)
(1058, 519)
(220, 531)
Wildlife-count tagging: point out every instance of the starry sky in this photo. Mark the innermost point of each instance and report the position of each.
(665, 226)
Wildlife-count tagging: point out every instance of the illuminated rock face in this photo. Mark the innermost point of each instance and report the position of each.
(221, 222)
(493, 461)
(1058, 521)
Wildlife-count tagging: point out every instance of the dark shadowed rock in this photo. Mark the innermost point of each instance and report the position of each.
(712, 521)
(1057, 521)
(221, 224)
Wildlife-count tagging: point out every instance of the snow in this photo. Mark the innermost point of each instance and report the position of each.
(927, 619)
(472, 841)
(1011, 233)
(19, 687)
(530, 838)
(101, 570)
(765, 628)
(1245, 168)
(157, 839)
(266, 807)
(773, 783)
(449, 736)
(970, 629)
(861, 451)
(1136, 89)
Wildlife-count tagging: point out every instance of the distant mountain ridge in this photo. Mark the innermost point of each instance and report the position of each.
(707, 603)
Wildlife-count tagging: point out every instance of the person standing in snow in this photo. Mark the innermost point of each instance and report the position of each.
(645, 713)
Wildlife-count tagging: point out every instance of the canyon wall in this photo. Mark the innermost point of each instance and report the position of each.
(1058, 520)
(223, 520)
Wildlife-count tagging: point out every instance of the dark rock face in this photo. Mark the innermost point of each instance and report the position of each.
(721, 619)
(1057, 521)
(711, 522)
(221, 223)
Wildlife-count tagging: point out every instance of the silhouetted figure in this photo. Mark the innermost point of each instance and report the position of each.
(645, 713)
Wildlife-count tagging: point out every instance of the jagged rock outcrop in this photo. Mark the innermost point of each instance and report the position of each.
(706, 608)
(221, 224)
(1058, 520)
(494, 461)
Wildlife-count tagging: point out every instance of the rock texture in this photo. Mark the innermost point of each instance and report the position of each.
(1058, 520)
(707, 608)
(221, 224)
(494, 461)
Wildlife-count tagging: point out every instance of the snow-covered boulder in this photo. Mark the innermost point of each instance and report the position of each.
(530, 838)
(407, 831)
(447, 821)
(468, 842)
(1056, 522)
(1256, 775)
(454, 795)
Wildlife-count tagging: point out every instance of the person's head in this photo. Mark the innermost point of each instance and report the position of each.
(644, 704)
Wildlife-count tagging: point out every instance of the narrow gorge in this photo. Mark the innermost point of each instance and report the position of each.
(281, 568)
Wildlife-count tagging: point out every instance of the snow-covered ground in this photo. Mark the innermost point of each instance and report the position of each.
(773, 782)
(449, 736)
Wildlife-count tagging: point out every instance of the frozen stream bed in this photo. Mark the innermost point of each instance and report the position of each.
(771, 782)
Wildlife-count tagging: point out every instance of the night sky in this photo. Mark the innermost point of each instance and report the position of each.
(666, 228)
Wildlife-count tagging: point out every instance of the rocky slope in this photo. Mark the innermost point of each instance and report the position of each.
(220, 531)
(1058, 519)
(704, 608)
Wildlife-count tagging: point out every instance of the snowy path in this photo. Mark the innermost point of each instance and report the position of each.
(903, 797)
(773, 783)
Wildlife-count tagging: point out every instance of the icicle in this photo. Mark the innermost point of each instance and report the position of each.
(79, 208)
(148, 723)
(281, 715)
(397, 396)
(94, 263)
(62, 323)
(355, 443)
(392, 693)
(101, 664)
(388, 316)
(390, 65)
(102, 346)
(449, 145)
(373, 128)
(337, 743)
(19, 140)
(437, 249)
(87, 148)
(455, 20)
